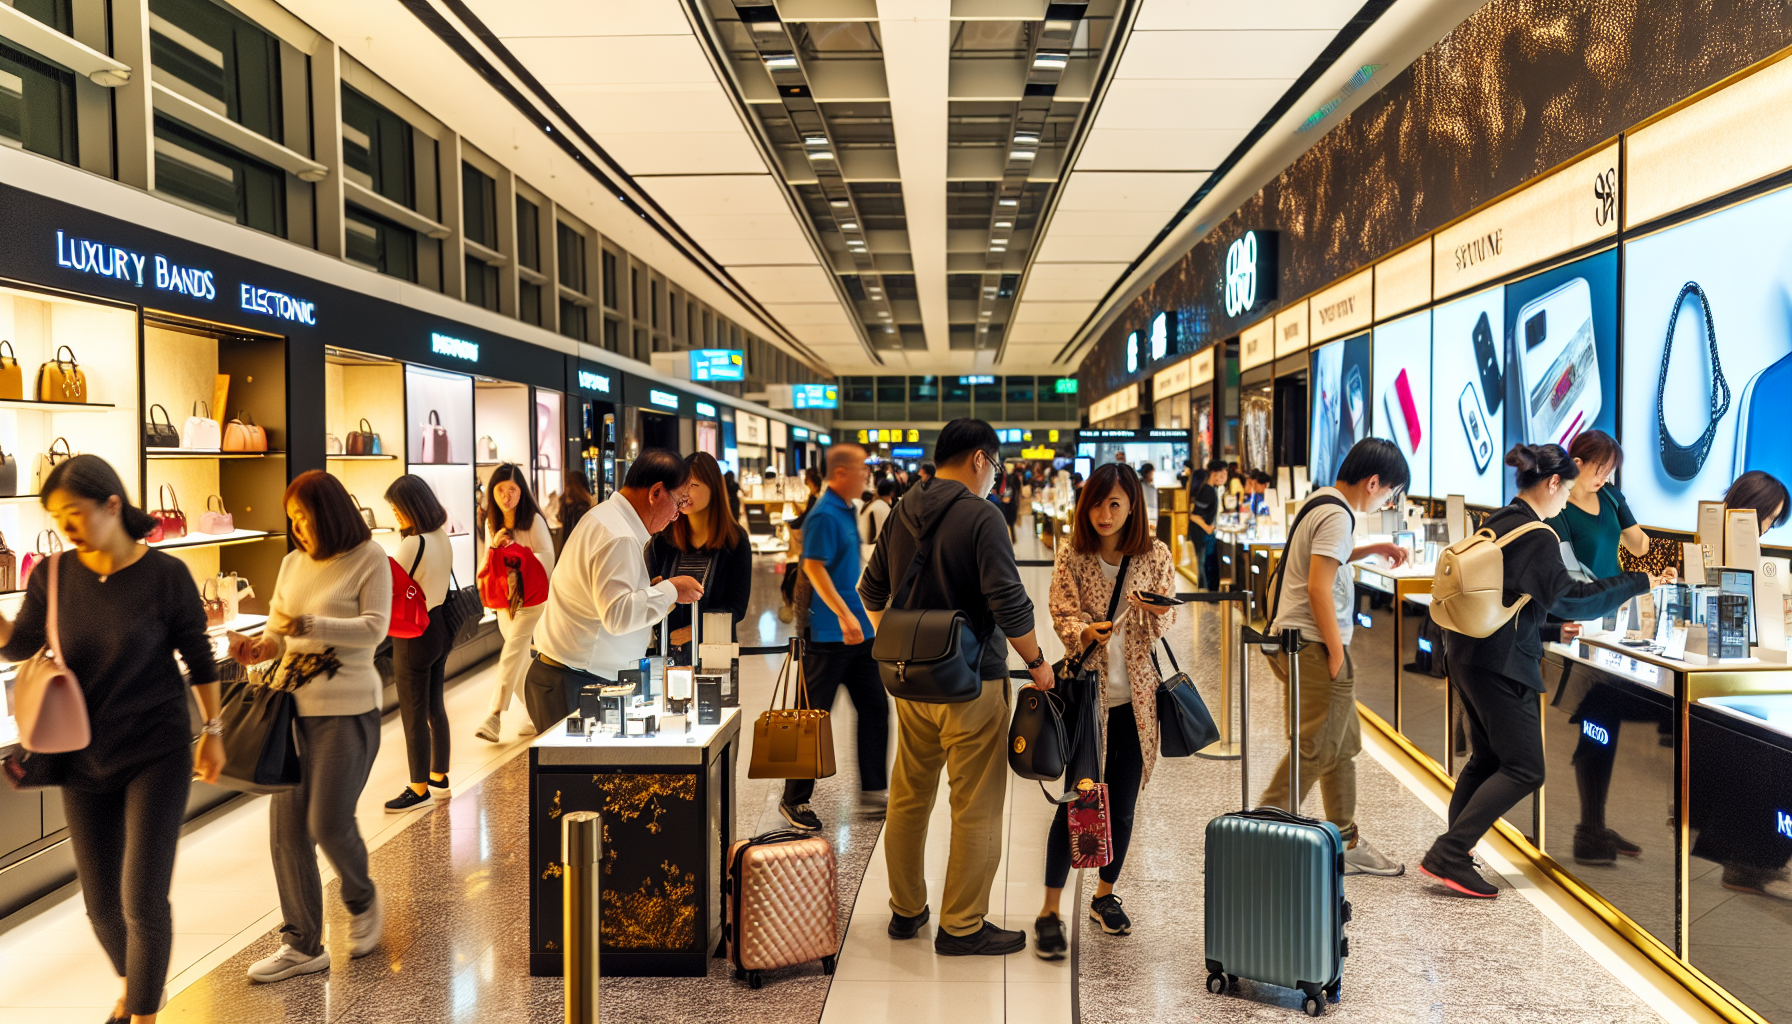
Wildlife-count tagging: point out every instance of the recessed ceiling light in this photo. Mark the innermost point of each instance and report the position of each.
(781, 62)
(1004, 223)
(820, 154)
(1046, 60)
(1007, 202)
(1021, 154)
(1026, 139)
(838, 203)
(815, 140)
(886, 316)
(849, 226)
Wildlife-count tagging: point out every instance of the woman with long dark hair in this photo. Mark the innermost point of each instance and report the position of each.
(1110, 535)
(575, 501)
(511, 517)
(419, 663)
(708, 544)
(331, 606)
(122, 611)
(1764, 493)
(1500, 675)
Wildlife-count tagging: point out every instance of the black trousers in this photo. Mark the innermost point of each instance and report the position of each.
(551, 692)
(124, 841)
(418, 665)
(1506, 732)
(829, 666)
(1123, 769)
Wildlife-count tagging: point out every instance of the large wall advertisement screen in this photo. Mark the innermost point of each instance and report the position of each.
(1402, 374)
(1723, 283)
(1468, 397)
(1341, 387)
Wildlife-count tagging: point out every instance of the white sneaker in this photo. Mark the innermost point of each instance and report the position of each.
(874, 802)
(288, 963)
(527, 728)
(365, 929)
(489, 731)
(1363, 859)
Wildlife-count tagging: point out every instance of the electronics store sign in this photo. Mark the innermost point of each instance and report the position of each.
(1250, 279)
(153, 270)
(1344, 308)
(1574, 206)
(594, 382)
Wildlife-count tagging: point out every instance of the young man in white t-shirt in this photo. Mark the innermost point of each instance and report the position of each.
(1317, 597)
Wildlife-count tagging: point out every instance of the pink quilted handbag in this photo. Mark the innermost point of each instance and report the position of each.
(48, 705)
(781, 899)
(216, 521)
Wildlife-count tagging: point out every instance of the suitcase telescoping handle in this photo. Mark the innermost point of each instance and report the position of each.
(1289, 642)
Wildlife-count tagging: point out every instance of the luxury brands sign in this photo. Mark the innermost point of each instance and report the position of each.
(1559, 212)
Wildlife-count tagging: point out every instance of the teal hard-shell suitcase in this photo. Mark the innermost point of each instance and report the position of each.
(1275, 903)
(1274, 893)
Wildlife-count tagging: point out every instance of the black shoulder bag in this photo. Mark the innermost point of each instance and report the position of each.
(1275, 578)
(1050, 728)
(1184, 725)
(927, 655)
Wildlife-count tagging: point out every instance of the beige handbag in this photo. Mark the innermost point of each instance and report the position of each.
(1468, 593)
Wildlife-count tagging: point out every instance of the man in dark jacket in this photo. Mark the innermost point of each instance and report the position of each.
(971, 569)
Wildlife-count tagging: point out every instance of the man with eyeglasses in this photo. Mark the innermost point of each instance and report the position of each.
(971, 568)
(602, 604)
(1314, 591)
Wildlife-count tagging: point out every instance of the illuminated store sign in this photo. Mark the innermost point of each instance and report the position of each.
(705, 409)
(281, 305)
(594, 381)
(978, 379)
(908, 453)
(1160, 336)
(825, 439)
(814, 396)
(1596, 733)
(718, 364)
(444, 345)
(1132, 352)
(1038, 453)
(1065, 386)
(1783, 824)
(1250, 272)
(89, 257)
(799, 433)
(1552, 215)
(663, 399)
(892, 436)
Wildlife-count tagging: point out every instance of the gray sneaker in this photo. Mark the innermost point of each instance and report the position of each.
(490, 729)
(1363, 859)
(288, 963)
(366, 928)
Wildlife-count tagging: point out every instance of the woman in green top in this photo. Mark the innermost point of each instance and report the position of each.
(1594, 523)
(1597, 519)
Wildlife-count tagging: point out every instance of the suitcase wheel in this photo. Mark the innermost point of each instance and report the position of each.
(754, 981)
(827, 964)
(1216, 983)
(1336, 992)
(740, 975)
(1314, 1007)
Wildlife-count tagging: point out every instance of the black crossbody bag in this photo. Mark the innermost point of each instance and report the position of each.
(927, 655)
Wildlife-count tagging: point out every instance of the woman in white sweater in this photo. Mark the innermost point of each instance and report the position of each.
(511, 515)
(419, 663)
(330, 609)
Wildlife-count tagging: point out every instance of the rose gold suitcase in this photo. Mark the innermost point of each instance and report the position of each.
(781, 896)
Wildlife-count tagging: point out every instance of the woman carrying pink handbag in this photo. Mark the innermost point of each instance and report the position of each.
(110, 672)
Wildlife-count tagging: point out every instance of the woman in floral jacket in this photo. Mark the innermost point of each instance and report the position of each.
(1110, 528)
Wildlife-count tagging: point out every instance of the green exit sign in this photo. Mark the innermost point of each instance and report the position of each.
(1066, 385)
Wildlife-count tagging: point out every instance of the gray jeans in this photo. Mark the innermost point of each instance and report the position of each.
(335, 755)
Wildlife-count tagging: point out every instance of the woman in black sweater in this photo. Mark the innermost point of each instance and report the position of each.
(124, 610)
(705, 542)
(1499, 676)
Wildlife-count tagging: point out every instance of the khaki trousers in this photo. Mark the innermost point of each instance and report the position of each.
(1331, 735)
(970, 741)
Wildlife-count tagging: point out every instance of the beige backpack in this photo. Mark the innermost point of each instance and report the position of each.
(1468, 594)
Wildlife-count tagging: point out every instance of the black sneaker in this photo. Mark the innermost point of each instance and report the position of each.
(986, 941)
(800, 816)
(406, 800)
(1105, 911)
(906, 927)
(1594, 845)
(1625, 847)
(1461, 878)
(1048, 938)
(441, 788)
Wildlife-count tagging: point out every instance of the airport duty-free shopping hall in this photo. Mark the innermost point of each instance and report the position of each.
(559, 411)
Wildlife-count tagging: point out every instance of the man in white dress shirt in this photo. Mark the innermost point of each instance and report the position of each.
(601, 601)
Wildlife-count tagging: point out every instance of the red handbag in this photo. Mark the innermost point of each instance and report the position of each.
(171, 522)
(512, 578)
(410, 609)
(1091, 838)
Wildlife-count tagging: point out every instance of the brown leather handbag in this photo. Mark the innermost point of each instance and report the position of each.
(9, 566)
(792, 742)
(12, 379)
(243, 434)
(61, 380)
(363, 441)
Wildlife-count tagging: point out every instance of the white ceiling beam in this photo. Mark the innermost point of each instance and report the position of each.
(917, 37)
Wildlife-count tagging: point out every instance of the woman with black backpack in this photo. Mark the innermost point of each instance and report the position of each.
(1500, 675)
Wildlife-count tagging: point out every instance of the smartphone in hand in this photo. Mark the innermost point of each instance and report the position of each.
(1157, 599)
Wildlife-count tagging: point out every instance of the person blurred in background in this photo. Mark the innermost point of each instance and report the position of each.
(511, 518)
(575, 501)
(419, 663)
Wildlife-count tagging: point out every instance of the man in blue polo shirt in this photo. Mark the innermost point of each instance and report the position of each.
(839, 649)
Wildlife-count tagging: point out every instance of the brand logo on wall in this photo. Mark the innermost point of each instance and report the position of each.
(1605, 195)
(1250, 272)
(1160, 336)
(90, 257)
(594, 381)
(443, 345)
(1132, 352)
